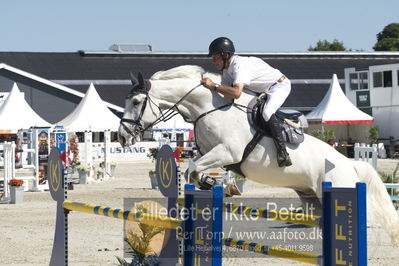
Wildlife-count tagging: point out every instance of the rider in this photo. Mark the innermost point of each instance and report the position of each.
(256, 75)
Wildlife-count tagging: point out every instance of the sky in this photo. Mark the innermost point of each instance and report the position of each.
(189, 26)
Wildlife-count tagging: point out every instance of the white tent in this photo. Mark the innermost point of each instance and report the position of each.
(91, 114)
(335, 108)
(15, 113)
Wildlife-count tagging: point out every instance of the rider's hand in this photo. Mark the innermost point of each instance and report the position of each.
(208, 83)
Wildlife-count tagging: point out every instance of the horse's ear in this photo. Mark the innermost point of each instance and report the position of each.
(144, 83)
(133, 79)
(140, 78)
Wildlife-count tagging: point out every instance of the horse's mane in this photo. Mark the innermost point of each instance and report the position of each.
(185, 71)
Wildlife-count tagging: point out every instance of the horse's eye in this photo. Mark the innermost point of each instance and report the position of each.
(135, 102)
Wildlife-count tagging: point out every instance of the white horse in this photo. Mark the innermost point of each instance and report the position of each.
(223, 134)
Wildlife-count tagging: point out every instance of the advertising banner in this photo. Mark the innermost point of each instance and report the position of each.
(43, 151)
(137, 152)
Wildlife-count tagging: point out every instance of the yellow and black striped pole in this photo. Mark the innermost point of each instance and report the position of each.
(145, 218)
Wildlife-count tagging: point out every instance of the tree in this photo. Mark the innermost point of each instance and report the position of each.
(374, 134)
(324, 135)
(328, 46)
(388, 38)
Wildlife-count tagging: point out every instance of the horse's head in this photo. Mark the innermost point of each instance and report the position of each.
(173, 90)
(138, 112)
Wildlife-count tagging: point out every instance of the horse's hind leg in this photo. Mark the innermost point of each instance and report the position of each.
(310, 202)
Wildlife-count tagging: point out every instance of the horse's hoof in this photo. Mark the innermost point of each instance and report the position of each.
(231, 189)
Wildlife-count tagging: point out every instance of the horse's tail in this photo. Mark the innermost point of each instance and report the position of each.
(379, 204)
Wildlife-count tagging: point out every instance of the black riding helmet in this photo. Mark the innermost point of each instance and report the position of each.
(221, 45)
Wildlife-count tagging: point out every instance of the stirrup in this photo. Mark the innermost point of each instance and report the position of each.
(284, 163)
(206, 182)
(283, 158)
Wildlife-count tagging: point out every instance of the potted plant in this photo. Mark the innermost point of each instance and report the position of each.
(113, 166)
(100, 174)
(152, 153)
(16, 190)
(241, 182)
(84, 172)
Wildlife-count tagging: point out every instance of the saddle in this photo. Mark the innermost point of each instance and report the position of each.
(292, 121)
(292, 124)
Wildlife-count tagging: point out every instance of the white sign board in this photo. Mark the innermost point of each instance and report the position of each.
(137, 152)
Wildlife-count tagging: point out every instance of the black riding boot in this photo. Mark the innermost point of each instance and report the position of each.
(283, 158)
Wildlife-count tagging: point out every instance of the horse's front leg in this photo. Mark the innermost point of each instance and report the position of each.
(219, 156)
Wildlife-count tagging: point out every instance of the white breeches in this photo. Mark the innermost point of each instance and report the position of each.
(276, 97)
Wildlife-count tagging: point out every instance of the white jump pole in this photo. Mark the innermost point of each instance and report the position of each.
(35, 161)
(88, 156)
(107, 143)
(9, 165)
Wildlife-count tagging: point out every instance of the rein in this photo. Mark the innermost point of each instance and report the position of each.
(171, 112)
(163, 118)
(174, 110)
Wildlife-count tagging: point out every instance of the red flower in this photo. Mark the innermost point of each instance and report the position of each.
(16, 182)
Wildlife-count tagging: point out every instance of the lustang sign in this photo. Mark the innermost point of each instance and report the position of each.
(132, 149)
(137, 152)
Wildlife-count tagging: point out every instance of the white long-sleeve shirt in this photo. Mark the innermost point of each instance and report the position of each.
(256, 74)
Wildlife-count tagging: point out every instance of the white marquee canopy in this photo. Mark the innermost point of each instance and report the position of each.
(90, 114)
(335, 108)
(16, 114)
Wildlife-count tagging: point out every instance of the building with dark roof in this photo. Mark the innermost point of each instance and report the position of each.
(54, 83)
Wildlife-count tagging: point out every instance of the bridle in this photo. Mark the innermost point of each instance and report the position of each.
(144, 87)
(163, 116)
